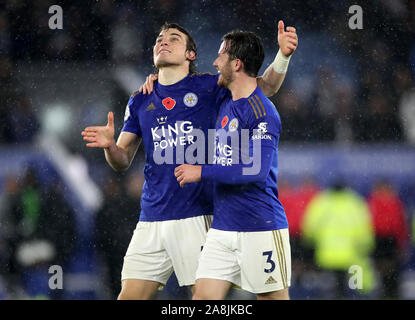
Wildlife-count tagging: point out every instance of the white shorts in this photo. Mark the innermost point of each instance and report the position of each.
(158, 248)
(257, 262)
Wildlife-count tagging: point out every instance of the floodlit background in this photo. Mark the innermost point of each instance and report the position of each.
(348, 114)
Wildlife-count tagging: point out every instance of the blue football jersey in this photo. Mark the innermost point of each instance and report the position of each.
(170, 120)
(245, 167)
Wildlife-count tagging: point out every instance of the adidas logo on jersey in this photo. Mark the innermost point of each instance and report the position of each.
(270, 280)
(151, 107)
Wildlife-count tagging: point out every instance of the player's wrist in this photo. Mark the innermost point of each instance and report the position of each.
(111, 145)
(280, 63)
(198, 172)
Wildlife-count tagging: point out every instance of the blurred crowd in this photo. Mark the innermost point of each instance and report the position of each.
(378, 105)
(337, 230)
(39, 228)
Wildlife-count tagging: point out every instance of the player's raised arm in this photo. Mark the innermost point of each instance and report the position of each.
(270, 82)
(118, 155)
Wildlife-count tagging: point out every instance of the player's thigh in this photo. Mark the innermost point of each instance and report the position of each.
(218, 259)
(275, 295)
(137, 289)
(183, 240)
(211, 289)
(265, 261)
(146, 257)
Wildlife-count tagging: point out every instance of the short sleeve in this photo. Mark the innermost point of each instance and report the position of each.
(131, 119)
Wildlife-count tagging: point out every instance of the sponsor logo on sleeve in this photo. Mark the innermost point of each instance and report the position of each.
(260, 133)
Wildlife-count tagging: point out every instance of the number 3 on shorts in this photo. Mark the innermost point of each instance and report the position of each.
(269, 260)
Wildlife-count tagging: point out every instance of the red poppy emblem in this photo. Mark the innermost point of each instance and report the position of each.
(168, 103)
(224, 121)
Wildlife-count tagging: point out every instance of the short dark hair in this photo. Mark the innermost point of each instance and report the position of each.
(247, 47)
(190, 43)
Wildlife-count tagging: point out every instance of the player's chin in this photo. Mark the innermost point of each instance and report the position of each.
(222, 82)
(162, 62)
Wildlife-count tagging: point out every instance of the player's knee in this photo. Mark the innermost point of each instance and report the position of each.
(126, 294)
(200, 295)
(137, 290)
(196, 296)
(206, 295)
(121, 296)
(133, 295)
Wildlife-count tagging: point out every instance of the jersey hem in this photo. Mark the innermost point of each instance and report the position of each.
(248, 230)
(181, 218)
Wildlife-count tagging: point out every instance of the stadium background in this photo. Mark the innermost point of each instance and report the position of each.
(347, 107)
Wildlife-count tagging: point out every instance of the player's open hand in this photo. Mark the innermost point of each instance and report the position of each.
(287, 40)
(148, 86)
(187, 173)
(102, 136)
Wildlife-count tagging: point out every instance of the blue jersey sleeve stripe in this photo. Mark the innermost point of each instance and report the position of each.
(253, 108)
(260, 102)
(256, 104)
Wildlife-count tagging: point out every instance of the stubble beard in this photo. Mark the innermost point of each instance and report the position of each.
(165, 64)
(225, 77)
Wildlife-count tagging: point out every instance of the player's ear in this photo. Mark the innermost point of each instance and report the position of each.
(190, 55)
(238, 65)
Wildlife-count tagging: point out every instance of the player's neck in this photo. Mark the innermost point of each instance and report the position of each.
(242, 87)
(172, 74)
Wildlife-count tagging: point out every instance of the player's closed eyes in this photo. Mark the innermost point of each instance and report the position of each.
(159, 40)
